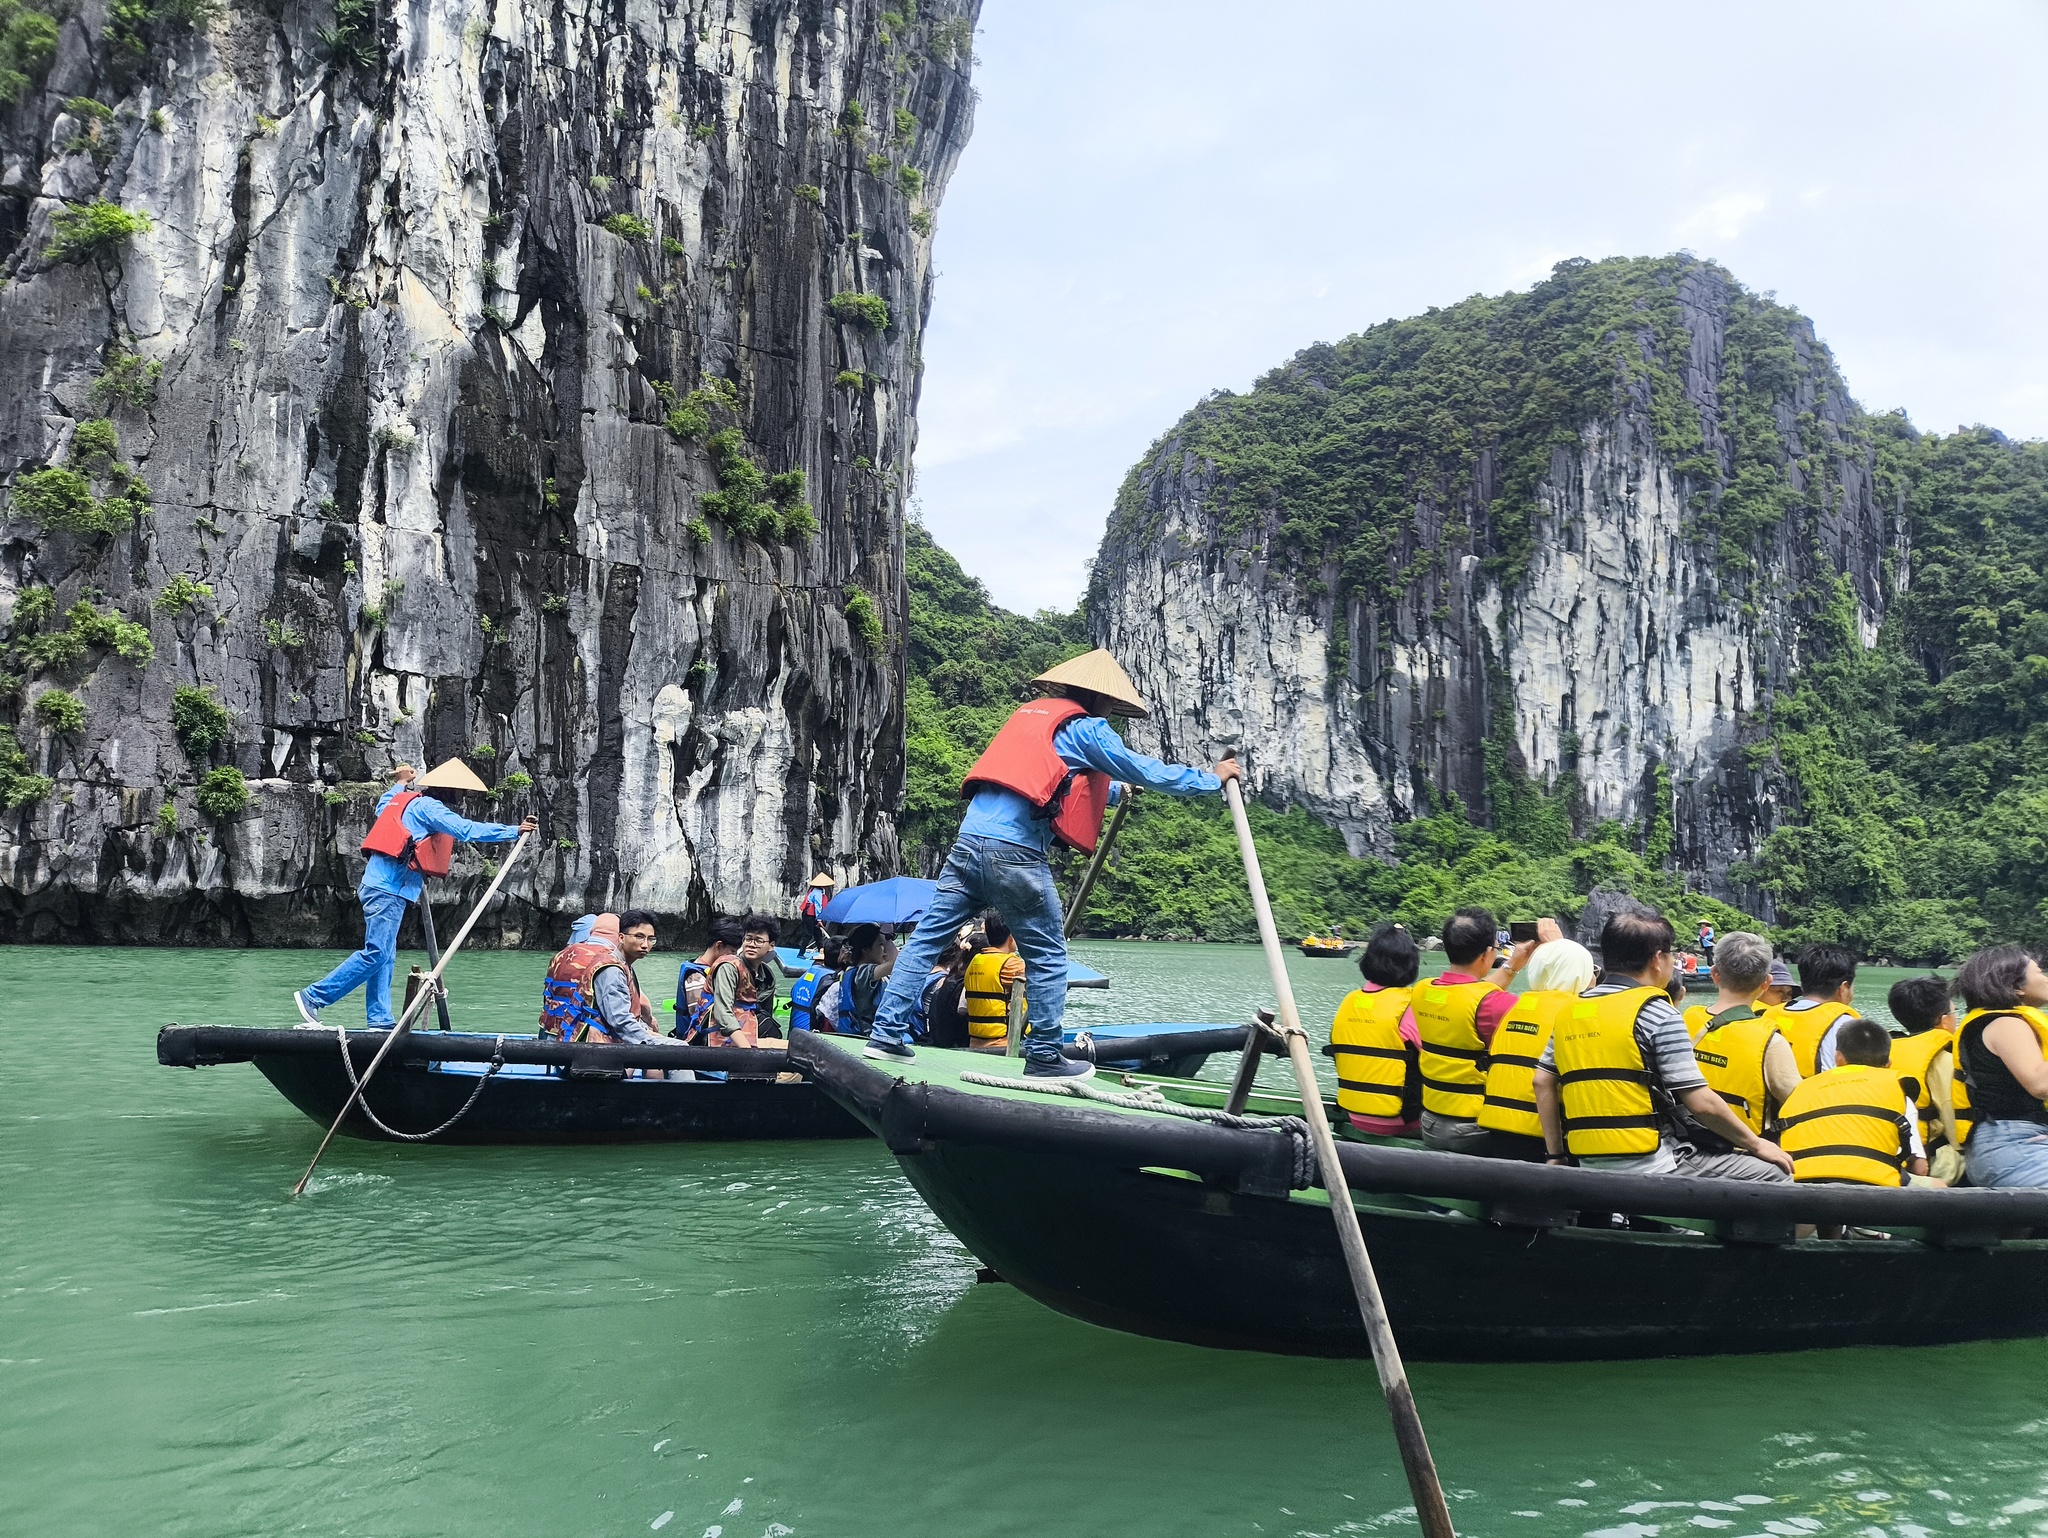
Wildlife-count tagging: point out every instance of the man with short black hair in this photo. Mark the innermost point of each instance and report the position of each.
(757, 955)
(1619, 1064)
(1456, 1014)
(1827, 983)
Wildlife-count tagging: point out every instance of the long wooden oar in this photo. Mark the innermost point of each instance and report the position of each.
(1079, 900)
(1435, 1516)
(431, 988)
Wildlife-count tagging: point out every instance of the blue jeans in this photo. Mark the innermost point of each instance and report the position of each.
(1014, 880)
(370, 967)
(2008, 1153)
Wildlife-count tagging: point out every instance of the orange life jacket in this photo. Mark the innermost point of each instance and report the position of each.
(568, 1010)
(1022, 758)
(430, 856)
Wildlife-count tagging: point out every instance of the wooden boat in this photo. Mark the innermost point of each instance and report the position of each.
(1142, 1222)
(1322, 945)
(556, 1092)
(794, 963)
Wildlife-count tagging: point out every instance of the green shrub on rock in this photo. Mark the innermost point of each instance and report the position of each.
(85, 229)
(223, 793)
(199, 721)
(60, 713)
(868, 311)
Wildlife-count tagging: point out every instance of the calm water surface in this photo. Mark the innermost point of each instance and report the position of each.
(770, 1340)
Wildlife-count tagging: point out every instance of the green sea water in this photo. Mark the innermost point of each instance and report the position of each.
(741, 1341)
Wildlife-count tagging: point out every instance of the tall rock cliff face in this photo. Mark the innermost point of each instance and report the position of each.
(1558, 545)
(534, 382)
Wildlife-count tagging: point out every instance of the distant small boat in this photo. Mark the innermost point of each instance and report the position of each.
(1324, 945)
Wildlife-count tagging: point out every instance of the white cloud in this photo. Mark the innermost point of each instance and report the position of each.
(1721, 219)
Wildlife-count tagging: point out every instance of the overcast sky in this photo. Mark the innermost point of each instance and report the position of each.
(1164, 197)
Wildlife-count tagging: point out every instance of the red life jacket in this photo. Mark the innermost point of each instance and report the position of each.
(1022, 758)
(569, 995)
(430, 856)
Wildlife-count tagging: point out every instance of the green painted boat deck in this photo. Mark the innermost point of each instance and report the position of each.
(944, 1066)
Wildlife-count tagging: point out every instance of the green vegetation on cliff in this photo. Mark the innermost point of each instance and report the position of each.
(1462, 408)
(1919, 767)
(1175, 872)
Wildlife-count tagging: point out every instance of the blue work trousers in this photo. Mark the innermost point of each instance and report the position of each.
(1015, 881)
(370, 967)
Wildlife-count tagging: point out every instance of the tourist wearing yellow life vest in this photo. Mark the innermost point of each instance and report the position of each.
(1046, 775)
(1457, 1013)
(1925, 1061)
(1741, 1053)
(1619, 1067)
(1827, 983)
(1557, 974)
(2000, 1055)
(1852, 1124)
(992, 971)
(1374, 1039)
(414, 836)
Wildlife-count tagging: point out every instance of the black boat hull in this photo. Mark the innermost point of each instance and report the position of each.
(1171, 1257)
(521, 1109)
(1070, 1205)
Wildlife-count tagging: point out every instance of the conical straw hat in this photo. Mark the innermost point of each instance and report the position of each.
(823, 879)
(1098, 674)
(450, 774)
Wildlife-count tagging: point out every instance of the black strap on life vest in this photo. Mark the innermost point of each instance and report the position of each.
(1625, 1075)
(1607, 1123)
(1443, 1088)
(1514, 1060)
(1875, 1112)
(1849, 1151)
(1399, 1054)
(1471, 1056)
(1384, 1091)
(1511, 1104)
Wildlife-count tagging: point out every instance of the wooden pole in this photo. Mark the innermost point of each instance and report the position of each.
(431, 986)
(1079, 900)
(1015, 1033)
(433, 955)
(1434, 1515)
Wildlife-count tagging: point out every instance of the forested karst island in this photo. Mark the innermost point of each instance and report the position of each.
(1609, 584)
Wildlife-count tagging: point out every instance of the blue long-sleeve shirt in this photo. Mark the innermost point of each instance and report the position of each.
(1086, 742)
(387, 873)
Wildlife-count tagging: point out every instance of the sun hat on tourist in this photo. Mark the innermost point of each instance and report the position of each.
(1098, 674)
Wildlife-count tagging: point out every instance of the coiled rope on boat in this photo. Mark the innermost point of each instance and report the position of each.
(1149, 1099)
(362, 1100)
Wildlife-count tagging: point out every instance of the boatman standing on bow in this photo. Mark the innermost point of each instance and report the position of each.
(413, 837)
(1045, 776)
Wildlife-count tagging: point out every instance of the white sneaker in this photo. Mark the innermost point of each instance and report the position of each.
(307, 1013)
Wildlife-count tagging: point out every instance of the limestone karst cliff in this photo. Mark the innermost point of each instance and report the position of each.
(530, 381)
(1559, 544)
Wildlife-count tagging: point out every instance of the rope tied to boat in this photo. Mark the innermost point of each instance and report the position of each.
(348, 1066)
(1150, 1099)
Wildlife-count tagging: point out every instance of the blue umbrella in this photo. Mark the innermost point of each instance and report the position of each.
(899, 900)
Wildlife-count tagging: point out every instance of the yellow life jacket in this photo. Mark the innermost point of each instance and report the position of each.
(1966, 1115)
(1803, 1030)
(1697, 1018)
(1510, 1104)
(1453, 1056)
(1372, 1059)
(1959, 1102)
(988, 1002)
(1731, 1059)
(1601, 1077)
(1912, 1057)
(1847, 1124)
